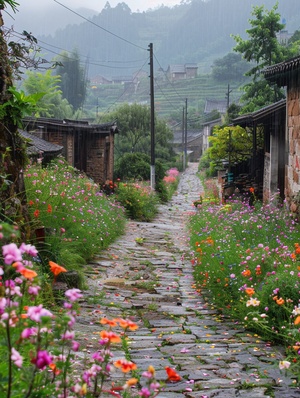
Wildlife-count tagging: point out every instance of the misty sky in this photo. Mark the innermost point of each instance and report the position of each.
(97, 5)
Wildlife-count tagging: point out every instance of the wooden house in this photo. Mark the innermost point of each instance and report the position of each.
(88, 147)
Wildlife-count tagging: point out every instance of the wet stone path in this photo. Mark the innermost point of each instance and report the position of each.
(146, 276)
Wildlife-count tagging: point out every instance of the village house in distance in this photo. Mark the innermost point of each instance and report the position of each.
(88, 147)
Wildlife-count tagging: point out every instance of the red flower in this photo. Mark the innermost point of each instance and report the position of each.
(36, 213)
(49, 209)
(172, 375)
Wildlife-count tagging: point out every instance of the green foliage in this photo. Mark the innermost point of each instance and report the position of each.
(140, 202)
(18, 106)
(133, 166)
(52, 103)
(230, 68)
(232, 144)
(134, 136)
(11, 3)
(72, 79)
(263, 49)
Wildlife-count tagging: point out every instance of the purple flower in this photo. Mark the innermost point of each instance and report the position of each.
(42, 359)
(11, 253)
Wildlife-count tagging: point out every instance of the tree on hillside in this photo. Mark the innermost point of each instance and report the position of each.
(72, 79)
(52, 104)
(134, 136)
(230, 68)
(263, 49)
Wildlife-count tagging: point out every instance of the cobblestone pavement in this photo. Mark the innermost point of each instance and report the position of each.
(144, 275)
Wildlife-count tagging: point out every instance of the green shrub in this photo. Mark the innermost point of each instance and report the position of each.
(139, 201)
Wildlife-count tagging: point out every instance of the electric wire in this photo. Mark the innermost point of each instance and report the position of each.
(100, 27)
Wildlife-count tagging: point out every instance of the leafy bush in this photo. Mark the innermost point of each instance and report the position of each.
(139, 201)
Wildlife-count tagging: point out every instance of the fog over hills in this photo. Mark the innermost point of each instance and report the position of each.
(115, 41)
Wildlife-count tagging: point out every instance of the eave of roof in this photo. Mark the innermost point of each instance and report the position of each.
(36, 144)
(278, 73)
(259, 115)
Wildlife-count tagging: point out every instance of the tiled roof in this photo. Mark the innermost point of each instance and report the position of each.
(279, 72)
(250, 118)
(36, 144)
(215, 105)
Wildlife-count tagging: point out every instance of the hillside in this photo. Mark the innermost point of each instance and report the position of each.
(169, 96)
(115, 41)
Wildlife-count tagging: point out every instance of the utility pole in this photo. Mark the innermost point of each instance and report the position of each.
(152, 127)
(183, 140)
(185, 134)
(228, 96)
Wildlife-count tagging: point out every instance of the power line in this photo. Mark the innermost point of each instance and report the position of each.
(101, 27)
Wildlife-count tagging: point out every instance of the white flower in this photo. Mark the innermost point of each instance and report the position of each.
(284, 365)
(253, 301)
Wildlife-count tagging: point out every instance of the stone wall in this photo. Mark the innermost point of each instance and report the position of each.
(292, 183)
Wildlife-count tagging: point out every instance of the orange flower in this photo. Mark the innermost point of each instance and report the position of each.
(127, 324)
(251, 190)
(54, 369)
(124, 365)
(49, 209)
(28, 273)
(172, 375)
(112, 323)
(131, 382)
(249, 291)
(246, 273)
(112, 337)
(280, 301)
(296, 322)
(31, 203)
(56, 269)
(297, 251)
(151, 370)
(36, 213)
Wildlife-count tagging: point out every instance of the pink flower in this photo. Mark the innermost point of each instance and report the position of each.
(34, 290)
(36, 313)
(42, 359)
(16, 357)
(11, 253)
(75, 345)
(73, 294)
(28, 249)
(26, 333)
(68, 335)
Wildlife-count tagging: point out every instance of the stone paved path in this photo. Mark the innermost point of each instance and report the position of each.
(150, 280)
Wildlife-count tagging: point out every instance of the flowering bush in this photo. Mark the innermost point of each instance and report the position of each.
(39, 346)
(168, 185)
(78, 219)
(247, 258)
